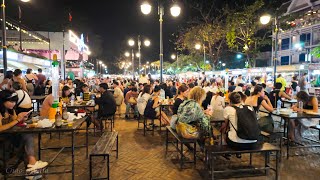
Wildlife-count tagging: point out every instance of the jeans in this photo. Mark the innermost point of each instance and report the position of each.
(27, 140)
(129, 106)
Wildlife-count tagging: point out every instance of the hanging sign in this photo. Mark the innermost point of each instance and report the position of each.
(79, 42)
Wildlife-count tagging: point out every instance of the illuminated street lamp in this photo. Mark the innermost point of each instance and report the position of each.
(147, 43)
(127, 54)
(198, 47)
(173, 56)
(131, 42)
(175, 11)
(265, 19)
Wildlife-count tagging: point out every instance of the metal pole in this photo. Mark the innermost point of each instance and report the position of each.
(161, 11)
(275, 51)
(63, 57)
(139, 48)
(20, 34)
(132, 59)
(4, 38)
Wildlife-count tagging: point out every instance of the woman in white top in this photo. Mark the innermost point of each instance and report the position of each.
(231, 120)
(143, 98)
(24, 103)
(217, 105)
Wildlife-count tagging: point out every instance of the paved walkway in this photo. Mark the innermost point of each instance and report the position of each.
(143, 157)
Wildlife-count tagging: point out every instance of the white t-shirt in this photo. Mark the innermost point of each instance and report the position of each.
(143, 80)
(207, 89)
(231, 115)
(142, 102)
(217, 103)
(238, 81)
(26, 100)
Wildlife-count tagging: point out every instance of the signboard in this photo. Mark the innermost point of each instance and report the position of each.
(79, 42)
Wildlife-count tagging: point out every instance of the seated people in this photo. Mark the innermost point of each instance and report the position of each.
(276, 94)
(24, 103)
(47, 104)
(310, 105)
(231, 124)
(182, 95)
(107, 104)
(258, 98)
(65, 94)
(217, 105)
(131, 102)
(143, 98)
(9, 119)
(153, 107)
(190, 112)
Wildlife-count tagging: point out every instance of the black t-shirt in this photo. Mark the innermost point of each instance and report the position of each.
(231, 88)
(256, 108)
(176, 105)
(294, 85)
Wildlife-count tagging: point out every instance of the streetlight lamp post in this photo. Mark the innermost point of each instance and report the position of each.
(4, 36)
(175, 11)
(198, 47)
(131, 43)
(265, 19)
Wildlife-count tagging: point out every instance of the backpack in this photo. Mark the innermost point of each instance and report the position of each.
(150, 112)
(248, 127)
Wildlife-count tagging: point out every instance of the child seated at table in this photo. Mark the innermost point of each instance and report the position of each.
(9, 119)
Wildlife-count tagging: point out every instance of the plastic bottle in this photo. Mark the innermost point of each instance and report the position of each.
(58, 118)
(81, 96)
(93, 103)
(65, 115)
(162, 94)
(72, 100)
(279, 103)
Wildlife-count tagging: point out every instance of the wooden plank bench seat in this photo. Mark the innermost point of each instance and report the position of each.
(178, 143)
(266, 148)
(144, 121)
(103, 148)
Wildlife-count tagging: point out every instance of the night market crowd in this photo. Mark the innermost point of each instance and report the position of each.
(194, 103)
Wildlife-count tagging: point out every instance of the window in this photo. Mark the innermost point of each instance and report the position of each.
(285, 44)
(302, 58)
(285, 60)
(305, 39)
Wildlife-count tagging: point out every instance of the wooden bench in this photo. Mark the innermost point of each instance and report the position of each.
(266, 148)
(109, 119)
(178, 143)
(103, 148)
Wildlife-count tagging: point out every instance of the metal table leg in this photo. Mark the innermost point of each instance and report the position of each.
(87, 141)
(39, 146)
(72, 154)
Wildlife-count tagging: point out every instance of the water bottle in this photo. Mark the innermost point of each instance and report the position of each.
(279, 105)
(81, 96)
(300, 106)
(93, 100)
(162, 94)
(72, 100)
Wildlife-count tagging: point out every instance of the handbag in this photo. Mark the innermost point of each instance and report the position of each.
(187, 131)
(132, 100)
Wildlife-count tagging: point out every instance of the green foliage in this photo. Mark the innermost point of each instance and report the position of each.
(242, 28)
(316, 52)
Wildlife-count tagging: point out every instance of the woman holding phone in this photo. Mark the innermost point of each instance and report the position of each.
(8, 119)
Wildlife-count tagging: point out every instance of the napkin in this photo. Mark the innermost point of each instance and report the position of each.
(45, 123)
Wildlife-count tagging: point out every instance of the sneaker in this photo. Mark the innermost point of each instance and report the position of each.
(37, 165)
(34, 177)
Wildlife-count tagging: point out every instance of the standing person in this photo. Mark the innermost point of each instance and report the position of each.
(7, 81)
(17, 78)
(143, 79)
(41, 77)
(294, 84)
(8, 119)
(118, 95)
(239, 80)
(283, 81)
(303, 82)
(31, 78)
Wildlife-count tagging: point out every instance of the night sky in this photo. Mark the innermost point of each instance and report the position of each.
(114, 20)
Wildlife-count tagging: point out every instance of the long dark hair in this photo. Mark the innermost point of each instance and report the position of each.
(5, 96)
(257, 89)
(64, 89)
(304, 97)
(146, 89)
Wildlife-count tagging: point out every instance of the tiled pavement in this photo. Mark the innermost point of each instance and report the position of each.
(143, 157)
